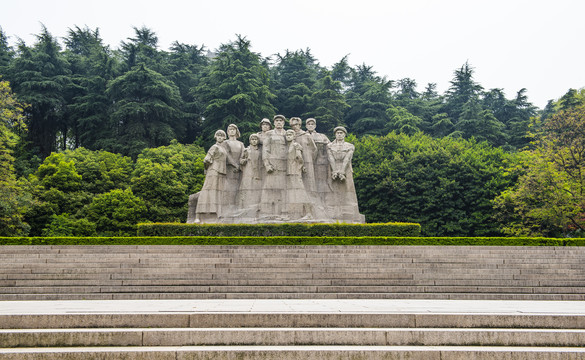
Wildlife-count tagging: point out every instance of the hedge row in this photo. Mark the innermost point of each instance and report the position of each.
(292, 240)
(179, 229)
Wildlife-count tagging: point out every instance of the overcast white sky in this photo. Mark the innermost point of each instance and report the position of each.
(511, 44)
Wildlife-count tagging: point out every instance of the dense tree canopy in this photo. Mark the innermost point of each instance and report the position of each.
(445, 184)
(12, 195)
(105, 126)
(549, 196)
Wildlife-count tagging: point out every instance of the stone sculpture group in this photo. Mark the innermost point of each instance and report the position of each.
(282, 176)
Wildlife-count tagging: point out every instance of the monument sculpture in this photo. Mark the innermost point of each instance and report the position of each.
(282, 176)
(211, 197)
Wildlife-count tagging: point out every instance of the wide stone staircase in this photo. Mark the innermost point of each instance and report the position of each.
(314, 273)
(281, 335)
(291, 272)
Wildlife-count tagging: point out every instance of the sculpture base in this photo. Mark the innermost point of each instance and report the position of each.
(252, 215)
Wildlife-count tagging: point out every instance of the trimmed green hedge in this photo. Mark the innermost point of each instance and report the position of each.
(292, 240)
(338, 229)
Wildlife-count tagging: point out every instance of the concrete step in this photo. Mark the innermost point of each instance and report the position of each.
(292, 313)
(291, 330)
(282, 288)
(290, 336)
(277, 272)
(106, 281)
(291, 295)
(295, 352)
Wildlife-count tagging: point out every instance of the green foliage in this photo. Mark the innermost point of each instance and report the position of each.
(446, 184)
(343, 230)
(66, 182)
(13, 199)
(164, 178)
(92, 66)
(294, 241)
(368, 97)
(403, 122)
(463, 90)
(87, 97)
(58, 173)
(64, 225)
(549, 196)
(480, 124)
(116, 212)
(146, 111)
(235, 88)
(100, 171)
(39, 75)
(295, 77)
(328, 104)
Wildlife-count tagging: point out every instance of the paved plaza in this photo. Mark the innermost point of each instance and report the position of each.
(293, 306)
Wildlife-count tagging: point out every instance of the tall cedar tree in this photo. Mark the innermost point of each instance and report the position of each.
(40, 76)
(146, 111)
(236, 90)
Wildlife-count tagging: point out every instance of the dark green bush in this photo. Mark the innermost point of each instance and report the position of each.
(179, 229)
(292, 240)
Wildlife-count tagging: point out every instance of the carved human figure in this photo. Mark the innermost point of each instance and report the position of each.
(210, 202)
(298, 203)
(265, 126)
(274, 156)
(234, 149)
(309, 154)
(251, 183)
(321, 163)
(342, 202)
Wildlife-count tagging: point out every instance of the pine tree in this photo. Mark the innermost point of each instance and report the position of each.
(145, 112)
(40, 76)
(235, 89)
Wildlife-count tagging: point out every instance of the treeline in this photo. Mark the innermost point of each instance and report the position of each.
(95, 139)
(84, 94)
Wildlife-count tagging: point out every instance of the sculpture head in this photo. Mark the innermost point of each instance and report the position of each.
(254, 139)
(295, 123)
(340, 133)
(265, 125)
(219, 136)
(279, 121)
(233, 131)
(311, 124)
(290, 135)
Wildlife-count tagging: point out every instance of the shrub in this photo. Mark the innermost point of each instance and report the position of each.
(181, 229)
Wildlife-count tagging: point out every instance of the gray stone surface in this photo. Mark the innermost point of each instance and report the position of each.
(280, 272)
(292, 329)
(305, 179)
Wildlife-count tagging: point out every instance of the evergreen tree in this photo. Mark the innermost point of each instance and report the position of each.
(341, 71)
(368, 97)
(463, 89)
(295, 76)
(235, 89)
(6, 53)
(186, 64)
(40, 76)
(328, 104)
(92, 66)
(519, 123)
(480, 124)
(146, 111)
(572, 99)
(402, 121)
(142, 49)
